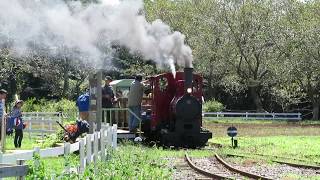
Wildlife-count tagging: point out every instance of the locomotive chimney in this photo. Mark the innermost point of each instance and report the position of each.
(188, 77)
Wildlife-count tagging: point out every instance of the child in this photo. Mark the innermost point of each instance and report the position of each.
(16, 120)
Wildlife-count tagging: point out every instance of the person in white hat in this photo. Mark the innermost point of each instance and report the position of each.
(17, 123)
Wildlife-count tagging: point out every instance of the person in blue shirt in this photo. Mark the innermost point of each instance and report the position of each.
(83, 105)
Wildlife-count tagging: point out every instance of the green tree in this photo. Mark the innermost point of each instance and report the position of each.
(302, 44)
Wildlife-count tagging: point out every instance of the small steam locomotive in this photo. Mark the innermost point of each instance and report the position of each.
(175, 114)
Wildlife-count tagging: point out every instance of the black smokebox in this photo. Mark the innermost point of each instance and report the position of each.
(188, 77)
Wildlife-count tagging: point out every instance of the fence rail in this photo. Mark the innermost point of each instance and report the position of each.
(42, 122)
(111, 112)
(248, 115)
(91, 148)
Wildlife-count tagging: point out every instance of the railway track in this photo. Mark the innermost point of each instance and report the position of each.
(222, 170)
(306, 166)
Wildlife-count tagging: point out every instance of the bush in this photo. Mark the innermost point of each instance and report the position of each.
(43, 105)
(213, 106)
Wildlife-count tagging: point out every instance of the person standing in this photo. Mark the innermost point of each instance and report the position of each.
(107, 98)
(16, 117)
(3, 96)
(134, 102)
(83, 106)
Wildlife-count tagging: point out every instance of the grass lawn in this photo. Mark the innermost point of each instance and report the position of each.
(140, 162)
(298, 147)
(254, 128)
(298, 140)
(27, 143)
(30, 143)
(52, 167)
(278, 138)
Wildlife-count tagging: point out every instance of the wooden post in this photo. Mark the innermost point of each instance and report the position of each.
(93, 102)
(36, 150)
(1, 158)
(99, 100)
(42, 127)
(114, 136)
(95, 151)
(102, 144)
(273, 116)
(82, 157)
(20, 162)
(66, 157)
(88, 147)
(30, 128)
(3, 128)
(109, 135)
(50, 126)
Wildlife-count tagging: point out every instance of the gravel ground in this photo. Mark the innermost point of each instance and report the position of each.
(276, 171)
(183, 171)
(213, 166)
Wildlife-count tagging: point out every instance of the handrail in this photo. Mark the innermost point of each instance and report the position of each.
(122, 109)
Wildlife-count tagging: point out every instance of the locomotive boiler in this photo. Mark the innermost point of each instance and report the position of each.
(175, 114)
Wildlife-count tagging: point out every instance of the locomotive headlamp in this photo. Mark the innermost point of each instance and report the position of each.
(189, 90)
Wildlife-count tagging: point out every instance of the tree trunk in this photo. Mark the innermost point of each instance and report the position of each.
(256, 99)
(315, 109)
(65, 83)
(211, 89)
(12, 87)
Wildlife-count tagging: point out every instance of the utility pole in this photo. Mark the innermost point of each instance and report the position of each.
(95, 108)
(93, 101)
(99, 100)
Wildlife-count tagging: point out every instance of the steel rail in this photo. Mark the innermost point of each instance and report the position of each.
(202, 171)
(243, 173)
(282, 162)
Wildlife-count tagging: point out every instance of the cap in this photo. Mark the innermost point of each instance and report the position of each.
(138, 77)
(18, 101)
(108, 78)
(2, 91)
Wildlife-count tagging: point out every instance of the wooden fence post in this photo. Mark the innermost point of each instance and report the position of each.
(20, 162)
(1, 157)
(30, 128)
(114, 136)
(109, 142)
(66, 157)
(82, 157)
(88, 147)
(36, 151)
(102, 145)
(273, 116)
(95, 151)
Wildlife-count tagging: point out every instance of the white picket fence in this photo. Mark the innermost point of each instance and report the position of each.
(91, 148)
(248, 115)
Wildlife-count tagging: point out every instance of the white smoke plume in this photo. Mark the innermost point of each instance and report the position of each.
(90, 29)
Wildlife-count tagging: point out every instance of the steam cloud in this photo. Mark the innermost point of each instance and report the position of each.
(90, 29)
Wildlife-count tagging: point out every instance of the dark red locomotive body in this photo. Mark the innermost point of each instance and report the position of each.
(176, 110)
